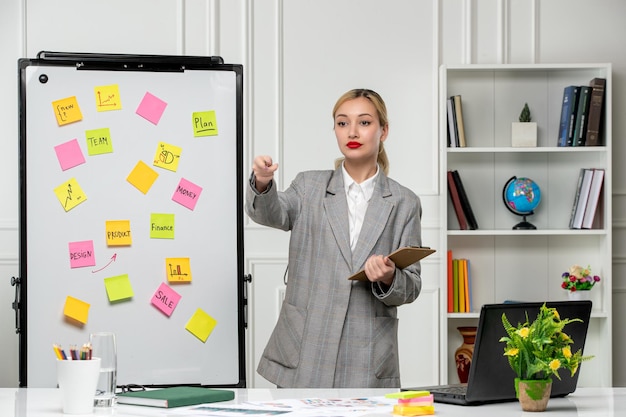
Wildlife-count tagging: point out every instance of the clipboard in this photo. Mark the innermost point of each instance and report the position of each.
(402, 257)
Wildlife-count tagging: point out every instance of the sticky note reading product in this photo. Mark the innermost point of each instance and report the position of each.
(107, 97)
(161, 226)
(69, 154)
(70, 194)
(187, 194)
(151, 108)
(167, 156)
(82, 254)
(178, 269)
(76, 309)
(99, 141)
(67, 111)
(142, 177)
(118, 288)
(165, 299)
(118, 233)
(201, 325)
(204, 123)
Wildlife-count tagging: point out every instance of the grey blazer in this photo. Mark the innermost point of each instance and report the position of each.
(332, 332)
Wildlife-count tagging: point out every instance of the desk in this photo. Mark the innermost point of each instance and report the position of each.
(587, 402)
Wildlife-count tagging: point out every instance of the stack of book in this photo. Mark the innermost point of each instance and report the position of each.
(586, 209)
(460, 202)
(459, 285)
(456, 127)
(581, 114)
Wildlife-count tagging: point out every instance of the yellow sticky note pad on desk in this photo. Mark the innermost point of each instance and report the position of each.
(76, 309)
(416, 410)
(201, 325)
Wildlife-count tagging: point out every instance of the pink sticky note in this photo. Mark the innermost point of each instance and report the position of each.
(151, 108)
(165, 299)
(69, 154)
(187, 194)
(82, 254)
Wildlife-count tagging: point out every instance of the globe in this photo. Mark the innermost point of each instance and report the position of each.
(521, 196)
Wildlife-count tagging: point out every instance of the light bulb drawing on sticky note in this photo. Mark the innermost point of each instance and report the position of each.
(178, 269)
(167, 156)
(66, 110)
(107, 97)
(70, 194)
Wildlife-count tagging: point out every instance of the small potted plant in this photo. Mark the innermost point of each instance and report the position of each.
(578, 281)
(524, 132)
(536, 351)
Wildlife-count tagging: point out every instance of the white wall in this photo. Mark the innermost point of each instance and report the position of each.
(298, 57)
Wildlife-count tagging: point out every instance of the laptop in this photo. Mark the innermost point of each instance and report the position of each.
(491, 377)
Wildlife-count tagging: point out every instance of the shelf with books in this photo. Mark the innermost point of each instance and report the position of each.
(523, 265)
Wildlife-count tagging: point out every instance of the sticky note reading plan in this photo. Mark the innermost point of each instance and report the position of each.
(187, 193)
(118, 233)
(204, 123)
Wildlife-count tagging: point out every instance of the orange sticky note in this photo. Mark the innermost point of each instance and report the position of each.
(118, 233)
(201, 325)
(178, 269)
(76, 309)
(142, 177)
(66, 110)
(413, 410)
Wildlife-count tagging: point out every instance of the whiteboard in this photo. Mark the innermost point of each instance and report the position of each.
(203, 228)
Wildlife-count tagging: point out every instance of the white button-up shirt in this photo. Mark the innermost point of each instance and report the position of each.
(358, 196)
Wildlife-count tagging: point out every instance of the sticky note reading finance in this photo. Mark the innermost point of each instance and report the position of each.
(167, 156)
(67, 110)
(99, 141)
(82, 254)
(107, 97)
(151, 108)
(165, 299)
(118, 288)
(118, 233)
(204, 123)
(161, 226)
(142, 177)
(69, 154)
(201, 325)
(76, 309)
(70, 194)
(187, 193)
(178, 269)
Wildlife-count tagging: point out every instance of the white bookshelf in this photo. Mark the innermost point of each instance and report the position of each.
(523, 265)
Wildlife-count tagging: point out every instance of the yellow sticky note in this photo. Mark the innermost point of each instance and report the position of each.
(161, 226)
(107, 97)
(167, 156)
(142, 177)
(99, 141)
(178, 269)
(201, 325)
(118, 233)
(67, 110)
(70, 194)
(118, 288)
(204, 123)
(76, 309)
(425, 410)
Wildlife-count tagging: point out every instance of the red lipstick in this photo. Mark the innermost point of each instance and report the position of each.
(353, 145)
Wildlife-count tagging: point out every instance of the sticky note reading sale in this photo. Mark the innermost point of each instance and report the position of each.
(82, 254)
(201, 325)
(165, 299)
(76, 309)
(67, 111)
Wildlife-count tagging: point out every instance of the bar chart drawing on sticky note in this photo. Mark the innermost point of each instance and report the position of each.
(178, 269)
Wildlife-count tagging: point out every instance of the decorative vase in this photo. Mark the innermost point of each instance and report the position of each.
(523, 134)
(579, 295)
(533, 395)
(463, 354)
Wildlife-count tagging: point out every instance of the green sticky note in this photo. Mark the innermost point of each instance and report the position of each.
(118, 288)
(161, 226)
(99, 141)
(204, 123)
(407, 394)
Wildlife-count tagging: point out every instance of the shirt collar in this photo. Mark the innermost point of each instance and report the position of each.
(367, 186)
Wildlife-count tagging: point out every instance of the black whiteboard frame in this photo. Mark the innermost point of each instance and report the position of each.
(126, 62)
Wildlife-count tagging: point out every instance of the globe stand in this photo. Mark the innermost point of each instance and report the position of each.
(524, 225)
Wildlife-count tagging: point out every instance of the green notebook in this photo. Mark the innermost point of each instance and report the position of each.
(175, 396)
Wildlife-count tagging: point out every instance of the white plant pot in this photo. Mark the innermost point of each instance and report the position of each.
(523, 134)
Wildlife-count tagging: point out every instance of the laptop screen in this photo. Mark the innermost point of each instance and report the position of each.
(491, 377)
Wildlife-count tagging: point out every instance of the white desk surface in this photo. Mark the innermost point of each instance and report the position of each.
(587, 402)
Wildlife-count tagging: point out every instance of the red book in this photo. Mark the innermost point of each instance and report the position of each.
(456, 202)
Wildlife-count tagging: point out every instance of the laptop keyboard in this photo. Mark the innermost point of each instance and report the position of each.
(457, 389)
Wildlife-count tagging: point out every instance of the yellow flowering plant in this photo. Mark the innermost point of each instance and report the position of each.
(539, 349)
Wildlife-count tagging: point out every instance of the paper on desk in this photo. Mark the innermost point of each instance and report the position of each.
(402, 257)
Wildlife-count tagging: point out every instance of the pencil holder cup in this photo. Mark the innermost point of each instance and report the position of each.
(77, 381)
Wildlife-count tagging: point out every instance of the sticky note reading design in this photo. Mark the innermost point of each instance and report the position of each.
(76, 309)
(187, 194)
(70, 194)
(142, 177)
(67, 110)
(69, 154)
(201, 325)
(161, 226)
(118, 233)
(151, 108)
(165, 299)
(167, 156)
(82, 254)
(99, 141)
(107, 97)
(204, 123)
(178, 269)
(118, 288)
